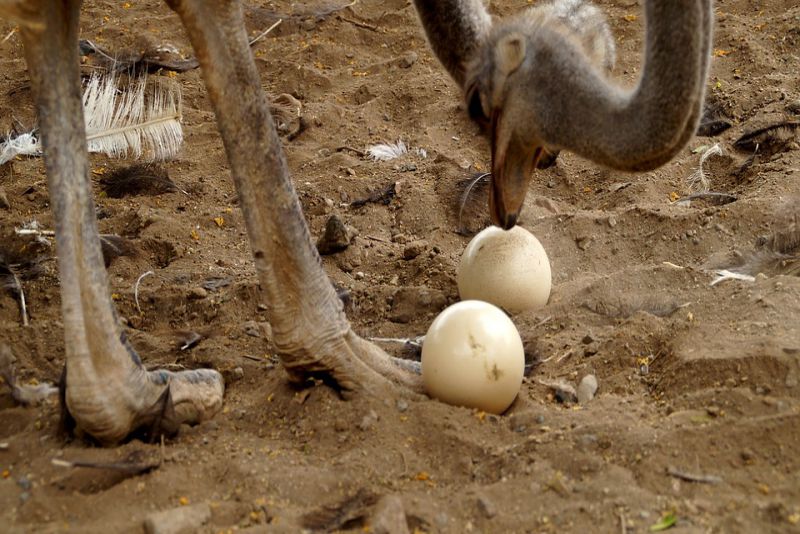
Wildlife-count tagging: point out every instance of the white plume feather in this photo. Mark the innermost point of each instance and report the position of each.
(137, 121)
(390, 151)
(23, 145)
(142, 120)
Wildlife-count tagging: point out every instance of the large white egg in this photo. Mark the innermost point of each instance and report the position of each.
(509, 268)
(472, 356)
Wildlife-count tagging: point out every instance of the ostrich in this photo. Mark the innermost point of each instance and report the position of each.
(534, 80)
(545, 92)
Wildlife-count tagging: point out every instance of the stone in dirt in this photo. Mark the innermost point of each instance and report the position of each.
(183, 519)
(411, 302)
(336, 237)
(389, 516)
(587, 388)
(414, 249)
(486, 507)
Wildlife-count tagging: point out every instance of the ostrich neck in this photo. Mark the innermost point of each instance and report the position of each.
(455, 28)
(577, 109)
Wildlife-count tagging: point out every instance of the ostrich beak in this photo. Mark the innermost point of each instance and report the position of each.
(512, 164)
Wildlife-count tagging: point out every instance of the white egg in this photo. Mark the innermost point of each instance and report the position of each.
(472, 356)
(510, 269)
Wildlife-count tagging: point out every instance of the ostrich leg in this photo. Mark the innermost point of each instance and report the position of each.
(310, 331)
(108, 393)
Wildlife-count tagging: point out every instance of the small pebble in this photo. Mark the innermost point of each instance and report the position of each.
(408, 60)
(389, 516)
(586, 389)
(411, 302)
(407, 167)
(368, 421)
(238, 373)
(486, 507)
(587, 439)
(414, 249)
(251, 329)
(402, 405)
(24, 483)
(198, 293)
(564, 392)
(400, 238)
(178, 520)
(336, 237)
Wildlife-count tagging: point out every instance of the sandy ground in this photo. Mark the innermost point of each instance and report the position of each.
(697, 380)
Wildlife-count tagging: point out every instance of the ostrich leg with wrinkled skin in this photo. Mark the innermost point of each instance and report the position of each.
(310, 330)
(108, 393)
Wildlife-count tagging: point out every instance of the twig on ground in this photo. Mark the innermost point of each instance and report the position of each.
(130, 467)
(407, 341)
(563, 356)
(359, 24)
(719, 198)
(693, 477)
(355, 151)
(16, 287)
(7, 37)
(136, 290)
(32, 228)
(543, 321)
(378, 239)
(263, 34)
(725, 274)
(22, 305)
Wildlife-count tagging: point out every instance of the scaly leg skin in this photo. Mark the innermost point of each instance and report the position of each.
(107, 392)
(310, 331)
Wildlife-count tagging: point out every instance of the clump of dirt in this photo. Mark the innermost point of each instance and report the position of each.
(698, 408)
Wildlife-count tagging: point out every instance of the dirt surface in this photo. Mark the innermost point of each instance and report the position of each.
(697, 380)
